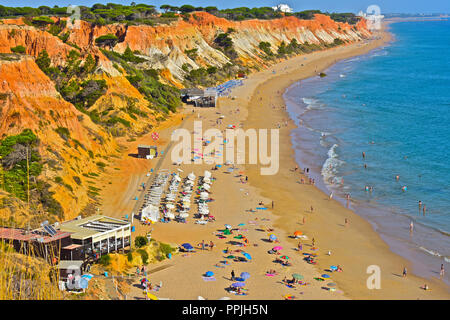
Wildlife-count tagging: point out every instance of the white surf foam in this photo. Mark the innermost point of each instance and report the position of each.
(330, 167)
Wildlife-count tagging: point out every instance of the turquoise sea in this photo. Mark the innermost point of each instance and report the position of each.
(393, 104)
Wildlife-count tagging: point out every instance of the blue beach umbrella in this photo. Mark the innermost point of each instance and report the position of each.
(246, 255)
(238, 284)
(245, 275)
(272, 237)
(187, 246)
(334, 268)
(83, 283)
(209, 273)
(325, 276)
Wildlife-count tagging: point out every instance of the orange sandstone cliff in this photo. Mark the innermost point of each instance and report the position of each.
(28, 98)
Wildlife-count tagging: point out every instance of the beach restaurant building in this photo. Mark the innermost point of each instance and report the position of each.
(45, 242)
(200, 98)
(95, 236)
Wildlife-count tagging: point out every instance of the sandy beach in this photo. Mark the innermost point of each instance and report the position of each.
(259, 104)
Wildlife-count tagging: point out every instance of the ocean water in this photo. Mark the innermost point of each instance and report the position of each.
(393, 104)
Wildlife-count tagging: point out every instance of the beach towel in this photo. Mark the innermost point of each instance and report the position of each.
(209, 279)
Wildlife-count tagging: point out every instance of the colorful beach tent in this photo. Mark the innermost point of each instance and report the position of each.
(246, 255)
(297, 276)
(245, 275)
(238, 284)
(187, 246)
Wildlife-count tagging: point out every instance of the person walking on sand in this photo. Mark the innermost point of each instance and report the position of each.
(313, 242)
(404, 272)
(232, 275)
(304, 220)
(300, 246)
(346, 222)
(442, 272)
(211, 245)
(272, 204)
(312, 209)
(424, 209)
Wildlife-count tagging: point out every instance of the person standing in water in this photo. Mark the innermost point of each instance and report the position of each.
(442, 272)
(411, 227)
(420, 206)
(424, 209)
(364, 155)
(404, 272)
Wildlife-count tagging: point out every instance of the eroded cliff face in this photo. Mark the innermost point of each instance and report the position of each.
(28, 98)
(164, 46)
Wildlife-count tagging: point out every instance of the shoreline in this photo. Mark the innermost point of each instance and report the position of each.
(389, 221)
(382, 246)
(232, 201)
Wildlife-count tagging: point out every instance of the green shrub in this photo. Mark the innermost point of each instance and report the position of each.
(105, 260)
(144, 255)
(140, 241)
(129, 256)
(101, 164)
(64, 133)
(166, 248)
(18, 49)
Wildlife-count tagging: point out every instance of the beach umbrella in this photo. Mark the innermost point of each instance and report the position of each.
(298, 233)
(231, 257)
(319, 279)
(325, 276)
(238, 284)
(83, 283)
(170, 206)
(272, 237)
(245, 275)
(284, 257)
(191, 176)
(277, 248)
(180, 170)
(331, 284)
(228, 226)
(297, 276)
(241, 224)
(187, 246)
(204, 195)
(246, 255)
(334, 268)
(209, 273)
